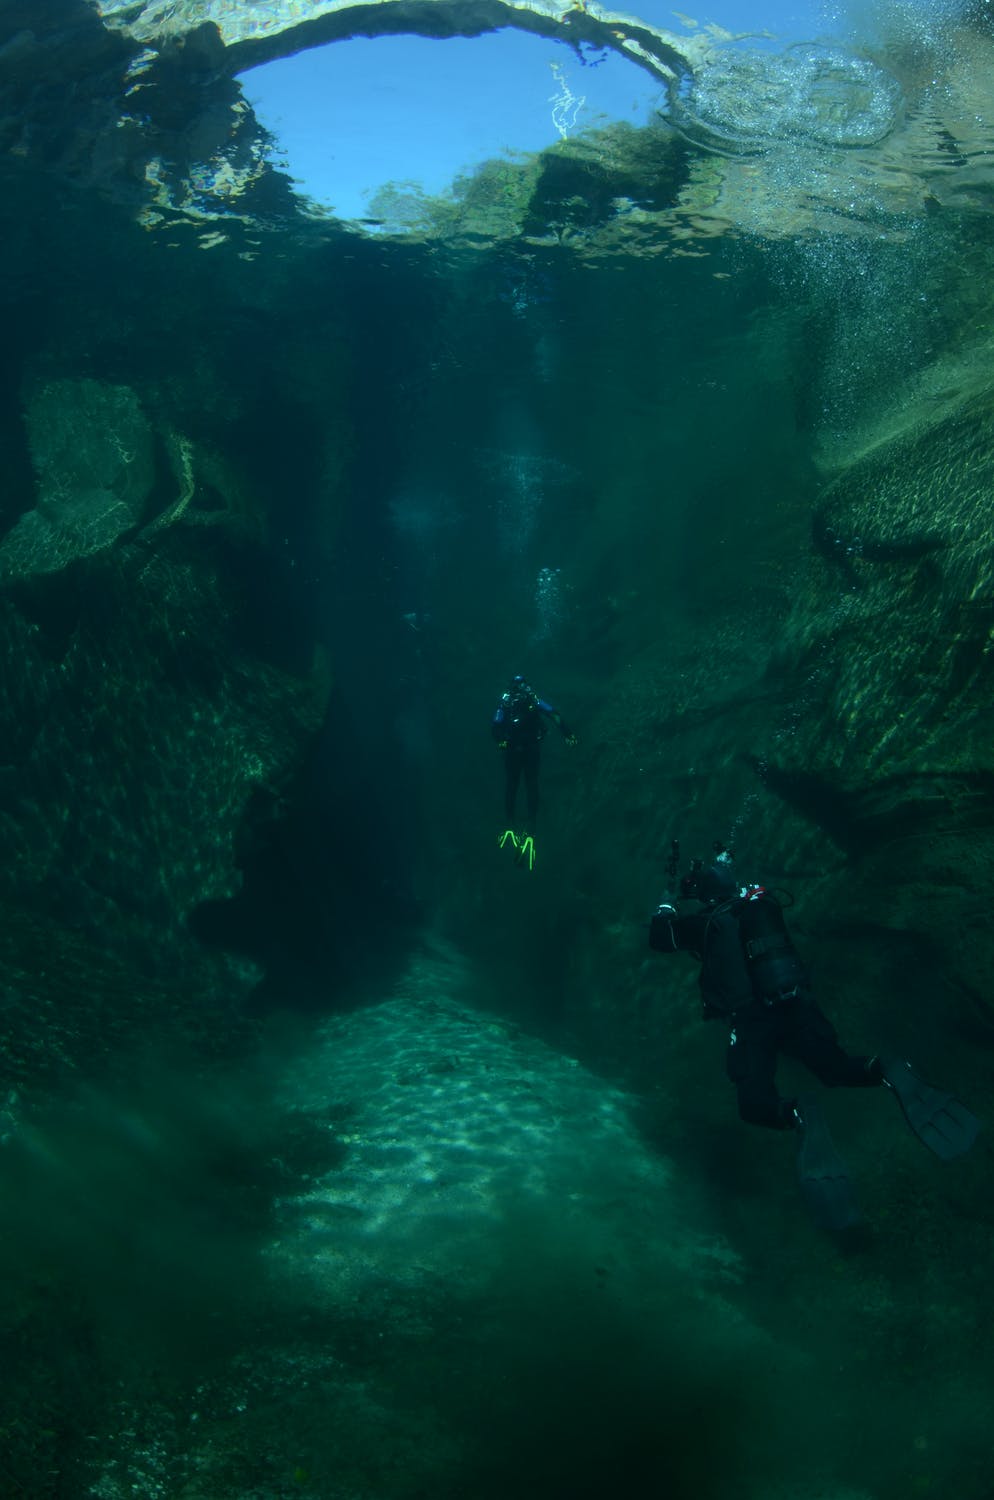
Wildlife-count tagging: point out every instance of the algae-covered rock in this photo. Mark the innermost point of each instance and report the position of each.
(92, 450)
(900, 612)
(143, 732)
(923, 490)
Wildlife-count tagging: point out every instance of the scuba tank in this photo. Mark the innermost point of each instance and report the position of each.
(775, 970)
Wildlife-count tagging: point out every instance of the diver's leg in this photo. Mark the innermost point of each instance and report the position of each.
(512, 775)
(751, 1064)
(822, 1172)
(811, 1038)
(531, 761)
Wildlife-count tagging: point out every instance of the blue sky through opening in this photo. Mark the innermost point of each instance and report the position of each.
(353, 115)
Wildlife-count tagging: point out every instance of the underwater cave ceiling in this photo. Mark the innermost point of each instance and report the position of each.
(141, 101)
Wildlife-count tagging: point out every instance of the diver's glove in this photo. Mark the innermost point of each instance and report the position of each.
(572, 739)
(507, 837)
(526, 850)
(502, 744)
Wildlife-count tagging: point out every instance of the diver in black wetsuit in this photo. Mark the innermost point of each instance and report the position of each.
(751, 975)
(519, 726)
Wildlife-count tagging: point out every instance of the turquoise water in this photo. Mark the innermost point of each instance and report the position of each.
(341, 1154)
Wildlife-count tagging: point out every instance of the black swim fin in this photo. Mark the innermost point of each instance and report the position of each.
(824, 1177)
(938, 1119)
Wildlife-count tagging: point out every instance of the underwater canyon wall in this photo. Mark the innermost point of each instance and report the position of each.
(761, 632)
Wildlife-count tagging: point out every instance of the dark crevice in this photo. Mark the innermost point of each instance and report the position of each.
(324, 898)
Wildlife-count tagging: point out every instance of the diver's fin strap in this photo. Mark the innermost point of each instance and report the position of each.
(508, 836)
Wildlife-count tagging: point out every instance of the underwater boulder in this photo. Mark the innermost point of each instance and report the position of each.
(91, 446)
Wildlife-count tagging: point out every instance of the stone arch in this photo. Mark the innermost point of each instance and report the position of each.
(236, 38)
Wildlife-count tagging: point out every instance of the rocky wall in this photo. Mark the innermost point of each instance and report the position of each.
(164, 679)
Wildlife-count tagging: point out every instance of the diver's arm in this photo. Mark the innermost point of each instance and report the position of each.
(677, 927)
(558, 720)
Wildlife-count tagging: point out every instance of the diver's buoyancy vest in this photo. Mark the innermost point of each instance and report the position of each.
(525, 724)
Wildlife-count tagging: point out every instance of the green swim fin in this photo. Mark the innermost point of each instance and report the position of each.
(938, 1118)
(526, 850)
(824, 1177)
(507, 837)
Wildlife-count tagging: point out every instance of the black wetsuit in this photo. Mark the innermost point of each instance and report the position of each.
(520, 726)
(752, 976)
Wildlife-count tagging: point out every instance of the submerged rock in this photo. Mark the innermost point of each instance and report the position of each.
(92, 449)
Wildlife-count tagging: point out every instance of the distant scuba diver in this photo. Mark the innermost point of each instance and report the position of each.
(519, 726)
(751, 975)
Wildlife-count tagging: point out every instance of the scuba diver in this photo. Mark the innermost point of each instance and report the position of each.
(519, 726)
(751, 976)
